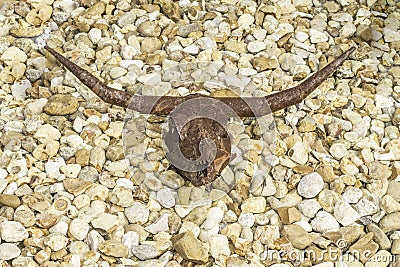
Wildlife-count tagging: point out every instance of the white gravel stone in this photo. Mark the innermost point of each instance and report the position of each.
(137, 213)
(310, 185)
(254, 205)
(342, 17)
(309, 207)
(105, 221)
(263, 183)
(366, 207)
(94, 35)
(256, 46)
(325, 264)
(166, 197)
(301, 36)
(117, 72)
(247, 71)
(56, 241)
(130, 239)
(245, 20)
(94, 240)
(125, 63)
(206, 43)
(71, 170)
(9, 251)
(61, 227)
(145, 252)
(189, 226)
(352, 195)
(324, 222)
(79, 229)
(3, 182)
(150, 79)
(13, 231)
(115, 129)
(219, 245)
(161, 225)
(260, 34)
(289, 61)
(345, 214)
(13, 53)
(53, 168)
(214, 217)
(298, 153)
(317, 36)
(246, 219)
(18, 90)
(338, 150)
(47, 132)
(391, 35)
(192, 49)
(67, 5)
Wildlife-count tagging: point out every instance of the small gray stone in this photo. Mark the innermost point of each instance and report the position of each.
(145, 252)
(166, 197)
(117, 72)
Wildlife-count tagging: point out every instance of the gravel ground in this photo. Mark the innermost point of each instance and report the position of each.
(321, 189)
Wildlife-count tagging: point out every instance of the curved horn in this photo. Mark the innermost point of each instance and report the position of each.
(165, 104)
